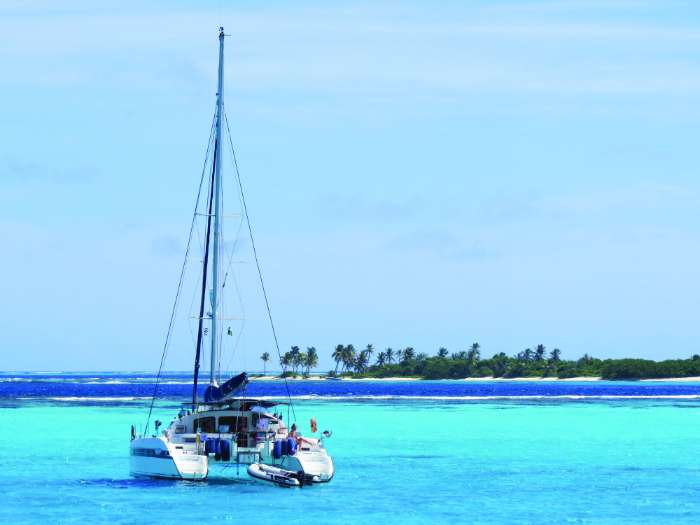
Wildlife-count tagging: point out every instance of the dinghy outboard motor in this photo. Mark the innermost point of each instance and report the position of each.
(218, 393)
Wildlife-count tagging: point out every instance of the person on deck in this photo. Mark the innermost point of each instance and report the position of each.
(294, 434)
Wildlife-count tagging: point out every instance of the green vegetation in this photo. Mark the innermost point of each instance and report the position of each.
(646, 369)
(265, 358)
(535, 363)
(296, 361)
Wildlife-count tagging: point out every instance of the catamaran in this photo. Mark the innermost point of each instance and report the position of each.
(223, 431)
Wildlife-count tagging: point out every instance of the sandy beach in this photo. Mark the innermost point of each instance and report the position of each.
(476, 379)
(381, 379)
(532, 379)
(322, 378)
(695, 379)
(294, 378)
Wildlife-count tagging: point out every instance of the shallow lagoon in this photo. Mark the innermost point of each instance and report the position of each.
(534, 459)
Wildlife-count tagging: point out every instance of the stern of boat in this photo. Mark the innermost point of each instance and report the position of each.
(156, 458)
(316, 463)
(313, 459)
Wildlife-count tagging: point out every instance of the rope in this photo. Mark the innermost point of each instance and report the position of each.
(257, 262)
(239, 332)
(173, 312)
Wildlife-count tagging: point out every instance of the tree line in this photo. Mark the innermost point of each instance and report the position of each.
(295, 361)
(531, 362)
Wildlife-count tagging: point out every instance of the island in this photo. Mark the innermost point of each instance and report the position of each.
(530, 363)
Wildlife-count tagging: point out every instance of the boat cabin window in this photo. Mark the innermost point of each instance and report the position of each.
(204, 424)
(234, 423)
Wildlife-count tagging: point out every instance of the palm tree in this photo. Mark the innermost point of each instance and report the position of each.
(525, 355)
(370, 350)
(286, 361)
(499, 364)
(473, 354)
(381, 358)
(348, 357)
(265, 358)
(408, 353)
(389, 356)
(539, 352)
(399, 356)
(442, 352)
(311, 360)
(294, 355)
(460, 356)
(585, 359)
(361, 361)
(300, 361)
(555, 355)
(337, 357)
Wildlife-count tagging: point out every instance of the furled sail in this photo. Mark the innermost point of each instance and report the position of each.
(230, 387)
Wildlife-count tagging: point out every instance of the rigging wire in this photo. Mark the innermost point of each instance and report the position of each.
(257, 262)
(199, 239)
(238, 295)
(241, 306)
(240, 330)
(173, 312)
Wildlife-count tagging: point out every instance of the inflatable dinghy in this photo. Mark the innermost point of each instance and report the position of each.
(279, 476)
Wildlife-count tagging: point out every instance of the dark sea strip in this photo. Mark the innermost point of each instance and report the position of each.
(137, 386)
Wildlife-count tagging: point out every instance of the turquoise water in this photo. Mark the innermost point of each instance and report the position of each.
(397, 460)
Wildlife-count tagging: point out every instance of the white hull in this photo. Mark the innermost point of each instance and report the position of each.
(155, 458)
(181, 453)
(196, 468)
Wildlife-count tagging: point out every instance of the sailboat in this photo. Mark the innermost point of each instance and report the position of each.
(217, 433)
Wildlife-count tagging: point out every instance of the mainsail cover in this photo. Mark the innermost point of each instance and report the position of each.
(230, 387)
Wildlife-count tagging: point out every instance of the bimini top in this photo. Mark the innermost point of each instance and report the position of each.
(241, 403)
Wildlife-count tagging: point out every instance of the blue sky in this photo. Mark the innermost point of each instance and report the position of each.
(424, 174)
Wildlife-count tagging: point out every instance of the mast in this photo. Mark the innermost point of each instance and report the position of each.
(203, 296)
(217, 223)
